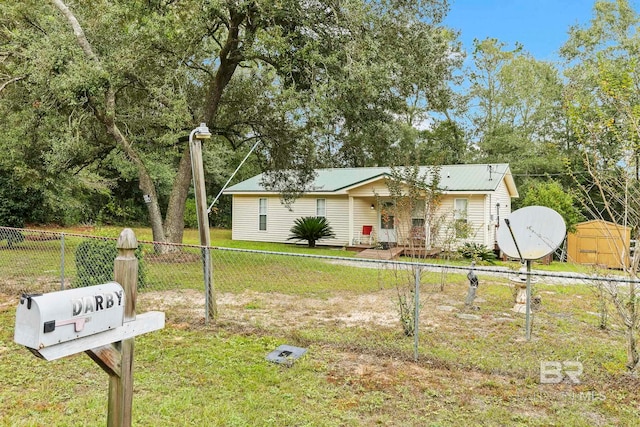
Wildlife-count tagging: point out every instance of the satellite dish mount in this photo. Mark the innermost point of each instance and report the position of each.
(531, 233)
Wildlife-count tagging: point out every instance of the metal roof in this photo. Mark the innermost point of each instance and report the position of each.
(464, 178)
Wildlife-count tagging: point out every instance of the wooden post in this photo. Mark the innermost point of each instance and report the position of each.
(203, 226)
(110, 342)
(125, 272)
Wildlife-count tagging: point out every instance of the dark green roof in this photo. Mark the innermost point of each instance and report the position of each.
(472, 177)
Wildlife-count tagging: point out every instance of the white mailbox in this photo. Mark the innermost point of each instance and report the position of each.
(49, 319)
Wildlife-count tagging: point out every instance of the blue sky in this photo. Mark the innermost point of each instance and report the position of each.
(540, 25)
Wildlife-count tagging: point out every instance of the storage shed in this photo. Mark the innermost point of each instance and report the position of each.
(599, 243)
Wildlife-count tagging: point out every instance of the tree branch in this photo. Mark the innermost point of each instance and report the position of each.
(8, 82)
(77, 29)
(35, 25)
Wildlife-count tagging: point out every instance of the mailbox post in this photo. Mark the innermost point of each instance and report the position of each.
(125, 271)
(99, 320)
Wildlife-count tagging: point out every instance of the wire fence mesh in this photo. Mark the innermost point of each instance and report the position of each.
(345, 302)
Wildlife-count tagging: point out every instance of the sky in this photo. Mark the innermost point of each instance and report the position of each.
(541, 26)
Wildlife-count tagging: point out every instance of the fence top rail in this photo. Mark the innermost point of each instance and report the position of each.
(483, 269)
(88, 236)
(57, 233)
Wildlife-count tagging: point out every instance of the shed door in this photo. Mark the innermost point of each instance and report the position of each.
(588, 250)
(608, 252)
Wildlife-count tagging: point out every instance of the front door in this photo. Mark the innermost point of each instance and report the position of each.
(387, 223)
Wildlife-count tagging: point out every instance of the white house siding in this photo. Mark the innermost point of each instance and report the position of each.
(245, 218)
(363, 198)
(501, 195)
(364, 215)
(338, 217)
(348, 212)
(376, 192)
(375, 189)
(475, 217)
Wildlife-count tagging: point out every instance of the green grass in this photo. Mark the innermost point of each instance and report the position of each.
(473, 372)
(181, 378)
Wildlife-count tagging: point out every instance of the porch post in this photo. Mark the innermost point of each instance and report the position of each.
(351, 213)
(427, 224)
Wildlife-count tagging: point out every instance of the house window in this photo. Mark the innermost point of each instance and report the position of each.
(262, 214)
(460, 217)
(417, 215)
(417, 222)
(321, 207)
(387, 216)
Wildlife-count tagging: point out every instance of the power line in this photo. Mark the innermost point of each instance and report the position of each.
(533, 175)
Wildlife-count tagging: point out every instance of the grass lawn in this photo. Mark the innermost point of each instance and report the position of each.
(359, 369)
(356, 372)
(222, 238)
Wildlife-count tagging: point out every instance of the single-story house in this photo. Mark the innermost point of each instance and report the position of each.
(361, 208)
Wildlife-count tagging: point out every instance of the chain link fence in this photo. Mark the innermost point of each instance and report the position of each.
(399, 308)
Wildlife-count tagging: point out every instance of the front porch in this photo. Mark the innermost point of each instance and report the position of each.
(381, 254)
(359, 247)
(387, 252)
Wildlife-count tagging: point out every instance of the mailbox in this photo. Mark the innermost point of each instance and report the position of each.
(45, 320)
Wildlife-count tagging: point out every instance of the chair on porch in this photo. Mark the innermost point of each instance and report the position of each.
(366, 234)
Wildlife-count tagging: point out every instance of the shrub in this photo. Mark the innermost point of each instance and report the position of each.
(94, 262)
(19, 203)
(190, 214)
(121, 212)
(477, 252)
(311, 229)
(11, 236)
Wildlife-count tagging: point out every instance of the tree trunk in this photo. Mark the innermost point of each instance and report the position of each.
(172, 229)
(145, 182)
(632, 349)
(632, 325)
(108, 119)
(155, 215)
(174, 221)
(229, 60)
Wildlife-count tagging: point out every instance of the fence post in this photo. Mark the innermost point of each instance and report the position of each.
(416, 314)
(62, 261)
(197, 169)
(211, 310)
(125, 272)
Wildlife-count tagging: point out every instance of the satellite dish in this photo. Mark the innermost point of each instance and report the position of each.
(531, 233)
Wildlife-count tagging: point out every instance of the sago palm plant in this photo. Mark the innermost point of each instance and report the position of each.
(311, 229)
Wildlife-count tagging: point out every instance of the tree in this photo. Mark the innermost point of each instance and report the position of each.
(602, 99)
(516, 109)
(131, 78)
(17, 202)
(311, 229)
(414, 199)
(552, 195)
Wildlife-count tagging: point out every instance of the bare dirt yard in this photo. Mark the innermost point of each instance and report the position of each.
(473, 364)
(473, 360)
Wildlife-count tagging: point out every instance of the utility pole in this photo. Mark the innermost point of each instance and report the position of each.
(197, 167)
